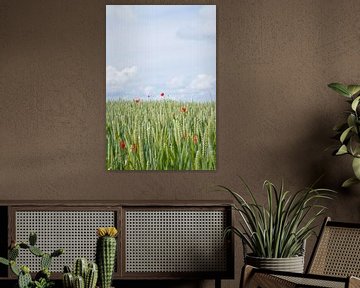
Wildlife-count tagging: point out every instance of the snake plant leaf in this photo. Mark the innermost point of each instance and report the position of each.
(342, 150)
(345, 134)
(355, 103)
(340, 88)
(353, 89)
(356, 167)
(349, 182)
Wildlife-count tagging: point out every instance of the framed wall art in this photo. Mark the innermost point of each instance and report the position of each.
(161, 87)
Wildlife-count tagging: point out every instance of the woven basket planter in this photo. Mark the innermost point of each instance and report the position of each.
(291, 264)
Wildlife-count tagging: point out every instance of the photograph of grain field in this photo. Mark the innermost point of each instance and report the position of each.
(161, 87)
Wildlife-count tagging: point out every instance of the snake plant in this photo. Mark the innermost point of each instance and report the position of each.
(348, 132)
(279, 228)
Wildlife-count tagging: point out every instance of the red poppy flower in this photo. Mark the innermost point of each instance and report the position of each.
(183, 109)
(162, 94)
(137, 100)
(122, 144)
(134, 148)
(195, 139)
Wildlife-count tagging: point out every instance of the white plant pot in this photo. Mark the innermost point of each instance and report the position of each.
(291, 264)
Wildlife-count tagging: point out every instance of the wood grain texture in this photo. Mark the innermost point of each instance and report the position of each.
(274, 114)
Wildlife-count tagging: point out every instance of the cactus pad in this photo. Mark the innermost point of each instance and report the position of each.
(32, 239)
(36, 251)
(24, 245)
(57, 252)
(45, 261)
(14, 253)
(24, 280)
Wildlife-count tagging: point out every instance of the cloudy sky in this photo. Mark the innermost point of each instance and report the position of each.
(153, 49)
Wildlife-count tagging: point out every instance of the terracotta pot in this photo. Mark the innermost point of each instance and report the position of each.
(291, 264)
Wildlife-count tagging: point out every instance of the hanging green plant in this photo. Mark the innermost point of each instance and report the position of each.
(348, 132)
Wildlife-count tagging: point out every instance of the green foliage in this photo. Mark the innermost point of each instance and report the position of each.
(42, 283)
(279, 229)
(42, 278)
(160, 135)
(348, 132)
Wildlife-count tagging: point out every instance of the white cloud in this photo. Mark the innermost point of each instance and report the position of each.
(115, 78)
(202, 82)
(176, 82)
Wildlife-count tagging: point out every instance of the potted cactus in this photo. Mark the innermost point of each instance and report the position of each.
(106, 254)
(85, 275)
(42, 278)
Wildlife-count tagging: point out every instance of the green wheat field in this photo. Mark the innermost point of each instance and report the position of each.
(160, 135)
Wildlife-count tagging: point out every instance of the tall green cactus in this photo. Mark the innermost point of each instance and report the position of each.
(106, 254)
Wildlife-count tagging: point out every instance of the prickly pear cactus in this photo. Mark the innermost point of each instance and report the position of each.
(106, 254)
(36, 251)
(24, 280)
(45, 261)
(32, 238)
(13, 253)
